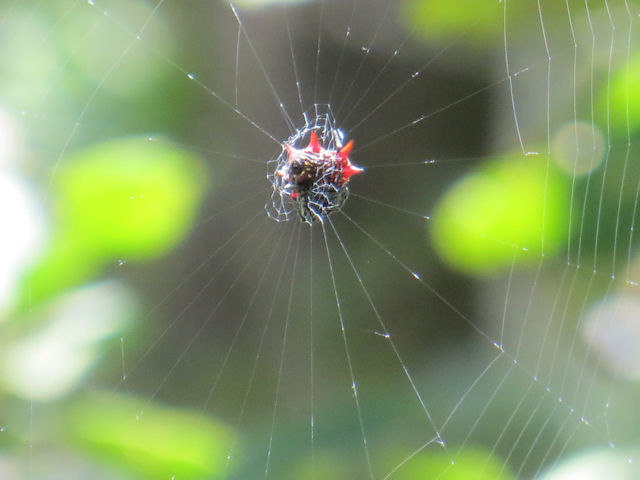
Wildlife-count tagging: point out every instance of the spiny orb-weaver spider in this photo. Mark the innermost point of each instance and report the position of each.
(312, 172)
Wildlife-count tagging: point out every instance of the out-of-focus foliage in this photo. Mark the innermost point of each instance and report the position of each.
(78, 79)
(159, 442)
(111, 197)
(131, 199)
(73, 331)
(443, 21)
(134, 198)
(469, 463)
(622, 100)
(499, 210)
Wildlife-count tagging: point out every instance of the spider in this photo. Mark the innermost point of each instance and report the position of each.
(312, 180)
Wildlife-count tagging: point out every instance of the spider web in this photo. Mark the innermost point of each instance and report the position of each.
(350, 349)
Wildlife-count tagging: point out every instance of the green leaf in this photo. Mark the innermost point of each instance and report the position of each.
(480, 21)
(504, 208)
(156, 441)
(619, 100)
(131, 199)
(469, 464)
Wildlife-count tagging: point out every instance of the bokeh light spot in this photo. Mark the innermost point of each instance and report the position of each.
(578, 148)
(594, 465)
(612, 328)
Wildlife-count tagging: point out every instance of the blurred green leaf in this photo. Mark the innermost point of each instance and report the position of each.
(156, 441)
(441, 21)
(132, 199)
(67, 263)
(620, 96)
(503, 208)
(469, 464)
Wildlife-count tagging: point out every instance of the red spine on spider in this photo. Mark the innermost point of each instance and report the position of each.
(316, 178)
(311, 180)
